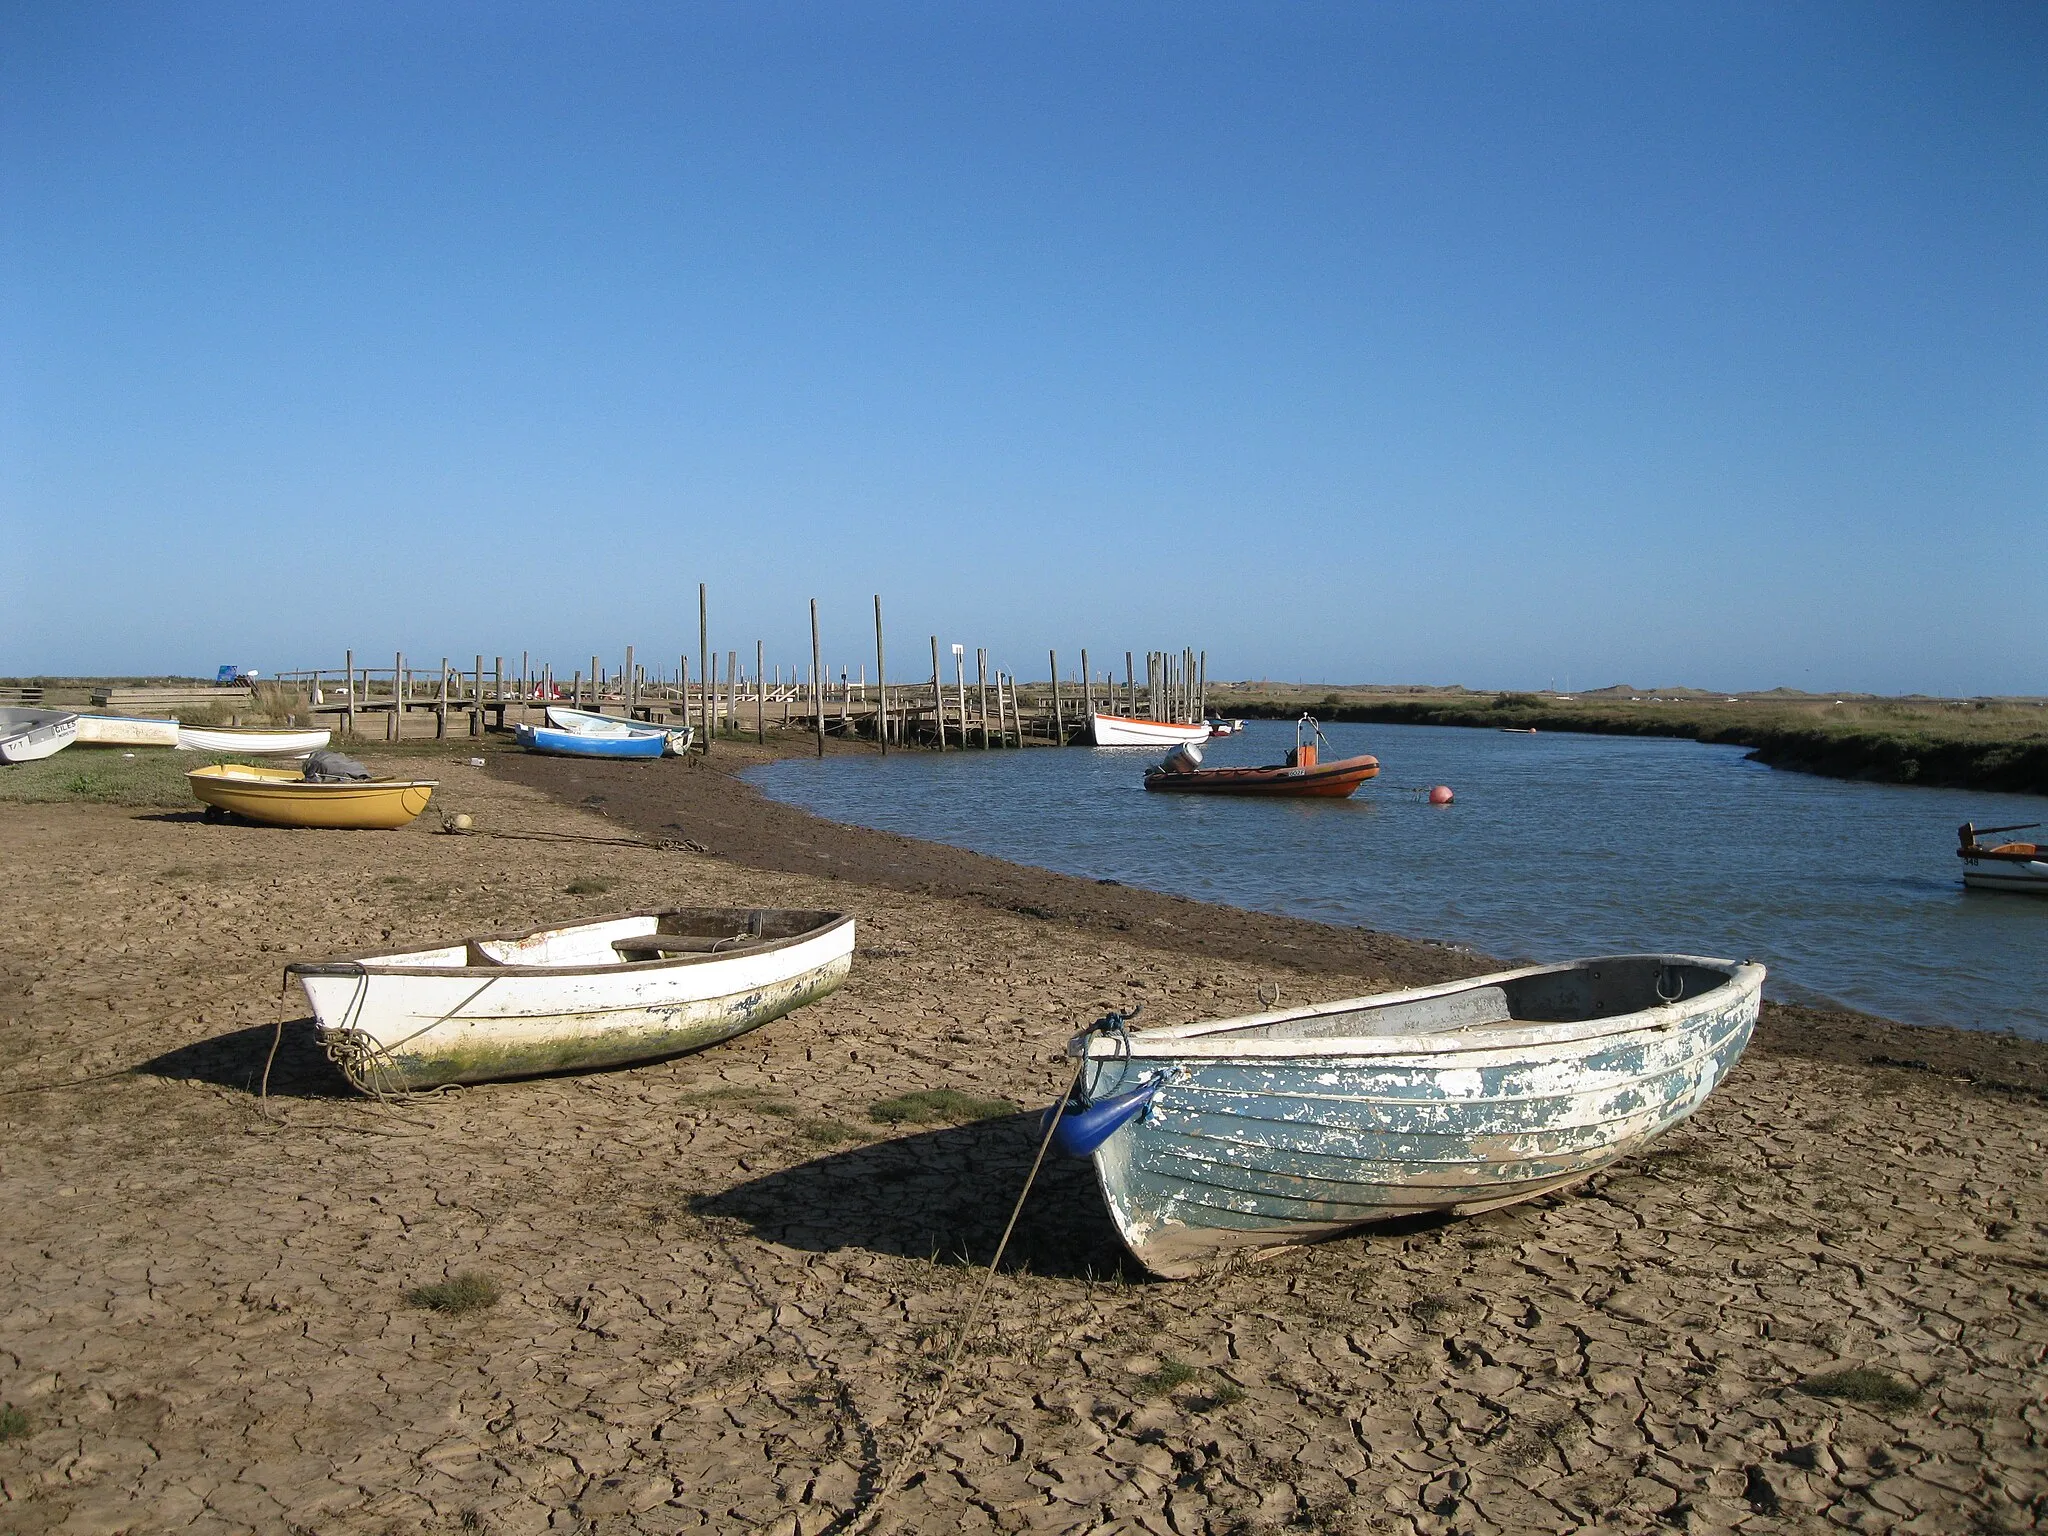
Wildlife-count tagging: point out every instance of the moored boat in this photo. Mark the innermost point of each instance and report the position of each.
(250, 741)
(632, 987)
(1285, 1127)
(29, 734)
(2002, 866)
(581, 722)
(1220, 727)
(1120, 731)
(284, 797)
(126, 731)
(545, 738)
(1303, 774)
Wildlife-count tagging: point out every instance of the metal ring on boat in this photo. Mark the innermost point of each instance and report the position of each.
(1662, 995)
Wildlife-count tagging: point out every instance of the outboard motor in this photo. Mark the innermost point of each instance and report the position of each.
(1185, 758)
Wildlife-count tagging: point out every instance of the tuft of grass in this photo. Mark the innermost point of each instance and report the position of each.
(466, 1292)
(762, 1101)
(153, 776)
(14, 1424)
(828, 1133)
(1220, 1394)
(937, 1106)
(1170, 1377)
(586, 885)
(1864, 1384)
(1431, 1310)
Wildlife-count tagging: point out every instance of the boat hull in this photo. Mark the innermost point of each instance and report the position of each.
(1118, 731)
(403, 1022)
(537, 738)
(1250, 1146)
(279, 797)
(2031, 876)
(251, 743)
(126, 731)
(28, 735)
(1332, 781)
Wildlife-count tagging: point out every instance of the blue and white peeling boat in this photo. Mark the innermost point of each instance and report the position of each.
(1230, 1135)
(541, 738)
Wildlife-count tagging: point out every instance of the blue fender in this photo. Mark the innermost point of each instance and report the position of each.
(1081, 1131)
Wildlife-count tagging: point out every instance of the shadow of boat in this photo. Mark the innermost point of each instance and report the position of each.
(942, 1196)
(235, 1060)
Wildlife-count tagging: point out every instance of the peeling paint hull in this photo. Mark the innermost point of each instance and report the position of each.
(565, 999)
(1290, 1127)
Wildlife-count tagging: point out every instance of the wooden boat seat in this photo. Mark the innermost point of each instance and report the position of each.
(681, 944)
(1480, 1008)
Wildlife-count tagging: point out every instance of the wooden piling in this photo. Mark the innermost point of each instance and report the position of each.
(391, 731)
(881, 685)
(817, 679)
(732, 691)
(981, 691)
(1087, 689)
(348, 701)
(938, 696)
(703, 662)
(1059, 724)
(760, 694)
(441, 709)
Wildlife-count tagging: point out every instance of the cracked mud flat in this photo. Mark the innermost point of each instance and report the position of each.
(726, 1290)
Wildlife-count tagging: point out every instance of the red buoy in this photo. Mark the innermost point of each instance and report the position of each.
(1441, 795)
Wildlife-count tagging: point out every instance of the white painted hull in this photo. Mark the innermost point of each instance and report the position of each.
(1117, 731)
(2000, 875)
(27, 735)
(560, 999)
(126, 731)
(1288, 1127)
(251, 743)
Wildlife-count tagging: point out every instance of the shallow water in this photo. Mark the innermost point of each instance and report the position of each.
(1557, 846)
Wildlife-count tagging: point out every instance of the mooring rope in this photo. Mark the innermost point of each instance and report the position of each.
(913, 1453)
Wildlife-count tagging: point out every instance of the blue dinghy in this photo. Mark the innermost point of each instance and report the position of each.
(541, 738)
(1285, 1127)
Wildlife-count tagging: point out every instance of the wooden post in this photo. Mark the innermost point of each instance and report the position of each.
(1087, 688)
(881, 685)
(760, 694)
(981, 691)
(397, 702)
(629, 694)
(817, 679)
(348, 702)
(704, 661)
(845, 706)
(732, 695)
(1130, 687)
(938, 696)
(1202, 684)
(441, 710)
(476, 701)
(960, 689)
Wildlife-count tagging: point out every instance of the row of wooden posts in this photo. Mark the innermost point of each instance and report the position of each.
(1172, 688)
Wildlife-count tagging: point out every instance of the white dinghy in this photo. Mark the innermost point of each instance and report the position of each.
(246, 741)
(583, 722)
(1120, 731)
(126, 731)
(28, 734)
(1279, 1128)
(633, 987)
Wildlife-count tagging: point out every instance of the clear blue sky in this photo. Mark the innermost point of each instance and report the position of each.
(1482, 343)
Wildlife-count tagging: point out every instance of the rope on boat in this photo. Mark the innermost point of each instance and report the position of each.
(913, 1453)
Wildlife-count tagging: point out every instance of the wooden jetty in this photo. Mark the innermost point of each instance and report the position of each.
(949, 708)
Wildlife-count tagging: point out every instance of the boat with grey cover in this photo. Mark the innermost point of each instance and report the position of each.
(1275, 1128)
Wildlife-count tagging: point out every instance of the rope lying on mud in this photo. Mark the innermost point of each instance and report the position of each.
(525, 834)
(913, 1452)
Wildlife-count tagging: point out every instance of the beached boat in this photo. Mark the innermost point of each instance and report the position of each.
(284, 797)
(1276, 1128)
(1120, 731)
(583, 723)
(633, 987)
(28, 734)
(546, 738)
(126, 731)
(1303, 774)
(2002, 866)
(248, 741)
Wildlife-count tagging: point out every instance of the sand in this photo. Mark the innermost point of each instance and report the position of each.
(725, 1290)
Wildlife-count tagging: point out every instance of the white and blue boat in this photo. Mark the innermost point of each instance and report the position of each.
(1221, 1137)
(578, 733)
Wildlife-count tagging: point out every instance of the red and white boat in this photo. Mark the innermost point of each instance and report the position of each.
(1121, 731)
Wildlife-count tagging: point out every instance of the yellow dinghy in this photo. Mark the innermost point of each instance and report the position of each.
(283, 798)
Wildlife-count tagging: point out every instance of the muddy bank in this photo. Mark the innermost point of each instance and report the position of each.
(724, 1287)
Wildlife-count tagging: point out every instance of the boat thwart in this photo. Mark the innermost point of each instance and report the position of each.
(633, 987)
(1285, 1127)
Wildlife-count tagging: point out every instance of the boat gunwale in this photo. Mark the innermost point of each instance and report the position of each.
(366, 965)
(1169, 1041)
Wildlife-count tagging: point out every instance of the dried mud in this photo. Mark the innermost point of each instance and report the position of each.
(725, 1290)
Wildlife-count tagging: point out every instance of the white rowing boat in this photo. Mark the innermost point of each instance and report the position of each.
(29, 734)
(126, 731)
(633, 987)
(583, 722)
(1278, 1128)
(246, 741)
(1121, 731)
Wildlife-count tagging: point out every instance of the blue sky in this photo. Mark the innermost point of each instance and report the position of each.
(1495, 344)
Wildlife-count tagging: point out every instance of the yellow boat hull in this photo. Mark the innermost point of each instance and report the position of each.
(281, 797)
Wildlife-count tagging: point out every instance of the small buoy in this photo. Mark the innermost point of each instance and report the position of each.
(459, 822)
(1440, 795)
